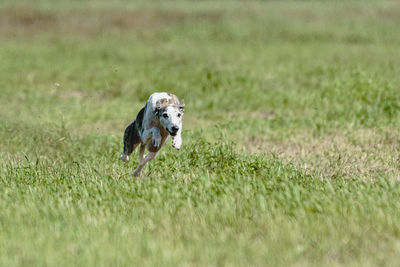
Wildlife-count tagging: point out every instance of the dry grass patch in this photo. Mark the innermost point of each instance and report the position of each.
(392, 13)
(28, 20)
(365, 153)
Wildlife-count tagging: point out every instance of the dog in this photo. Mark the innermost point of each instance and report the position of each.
(159, 119)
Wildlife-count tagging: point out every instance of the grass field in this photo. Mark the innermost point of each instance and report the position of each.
(291, 142)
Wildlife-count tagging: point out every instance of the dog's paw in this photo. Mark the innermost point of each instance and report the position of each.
(156, 142)
(177, 143)
(124, 157)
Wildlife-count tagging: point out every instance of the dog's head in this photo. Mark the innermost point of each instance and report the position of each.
(170, 116)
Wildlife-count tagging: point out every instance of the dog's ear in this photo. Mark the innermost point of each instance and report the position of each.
(182, 106)
(158, 107)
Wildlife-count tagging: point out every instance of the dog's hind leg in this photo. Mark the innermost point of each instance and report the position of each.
(147, 158)
(141, 160)
(131, 141)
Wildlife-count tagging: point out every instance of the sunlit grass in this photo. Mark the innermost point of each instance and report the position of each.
(291, 144)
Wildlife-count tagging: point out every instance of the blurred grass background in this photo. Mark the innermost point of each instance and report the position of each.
(291, 142)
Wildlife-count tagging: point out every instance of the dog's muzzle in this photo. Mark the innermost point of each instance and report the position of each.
(174, 130)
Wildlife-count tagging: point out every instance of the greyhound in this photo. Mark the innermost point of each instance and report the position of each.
(160, 118)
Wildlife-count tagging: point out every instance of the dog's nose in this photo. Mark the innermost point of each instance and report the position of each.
(174, 129)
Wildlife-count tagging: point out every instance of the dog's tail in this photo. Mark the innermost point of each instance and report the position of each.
(131, 141)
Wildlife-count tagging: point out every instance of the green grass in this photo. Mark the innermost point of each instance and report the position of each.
(291, 153)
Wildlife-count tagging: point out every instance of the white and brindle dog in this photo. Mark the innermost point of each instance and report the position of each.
(160, 118)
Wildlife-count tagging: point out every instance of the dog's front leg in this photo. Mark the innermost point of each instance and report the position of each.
(153, 134)
(156, 137)
(177, 140)
(141, 153)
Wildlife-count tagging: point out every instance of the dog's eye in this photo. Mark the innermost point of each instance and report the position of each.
(165, 115)
(179, 115)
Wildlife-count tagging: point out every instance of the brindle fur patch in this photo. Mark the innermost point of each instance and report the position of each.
(131, 138)
(167, 102)
(132, 133)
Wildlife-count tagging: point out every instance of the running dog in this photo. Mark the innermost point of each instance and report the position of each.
(160, 118)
